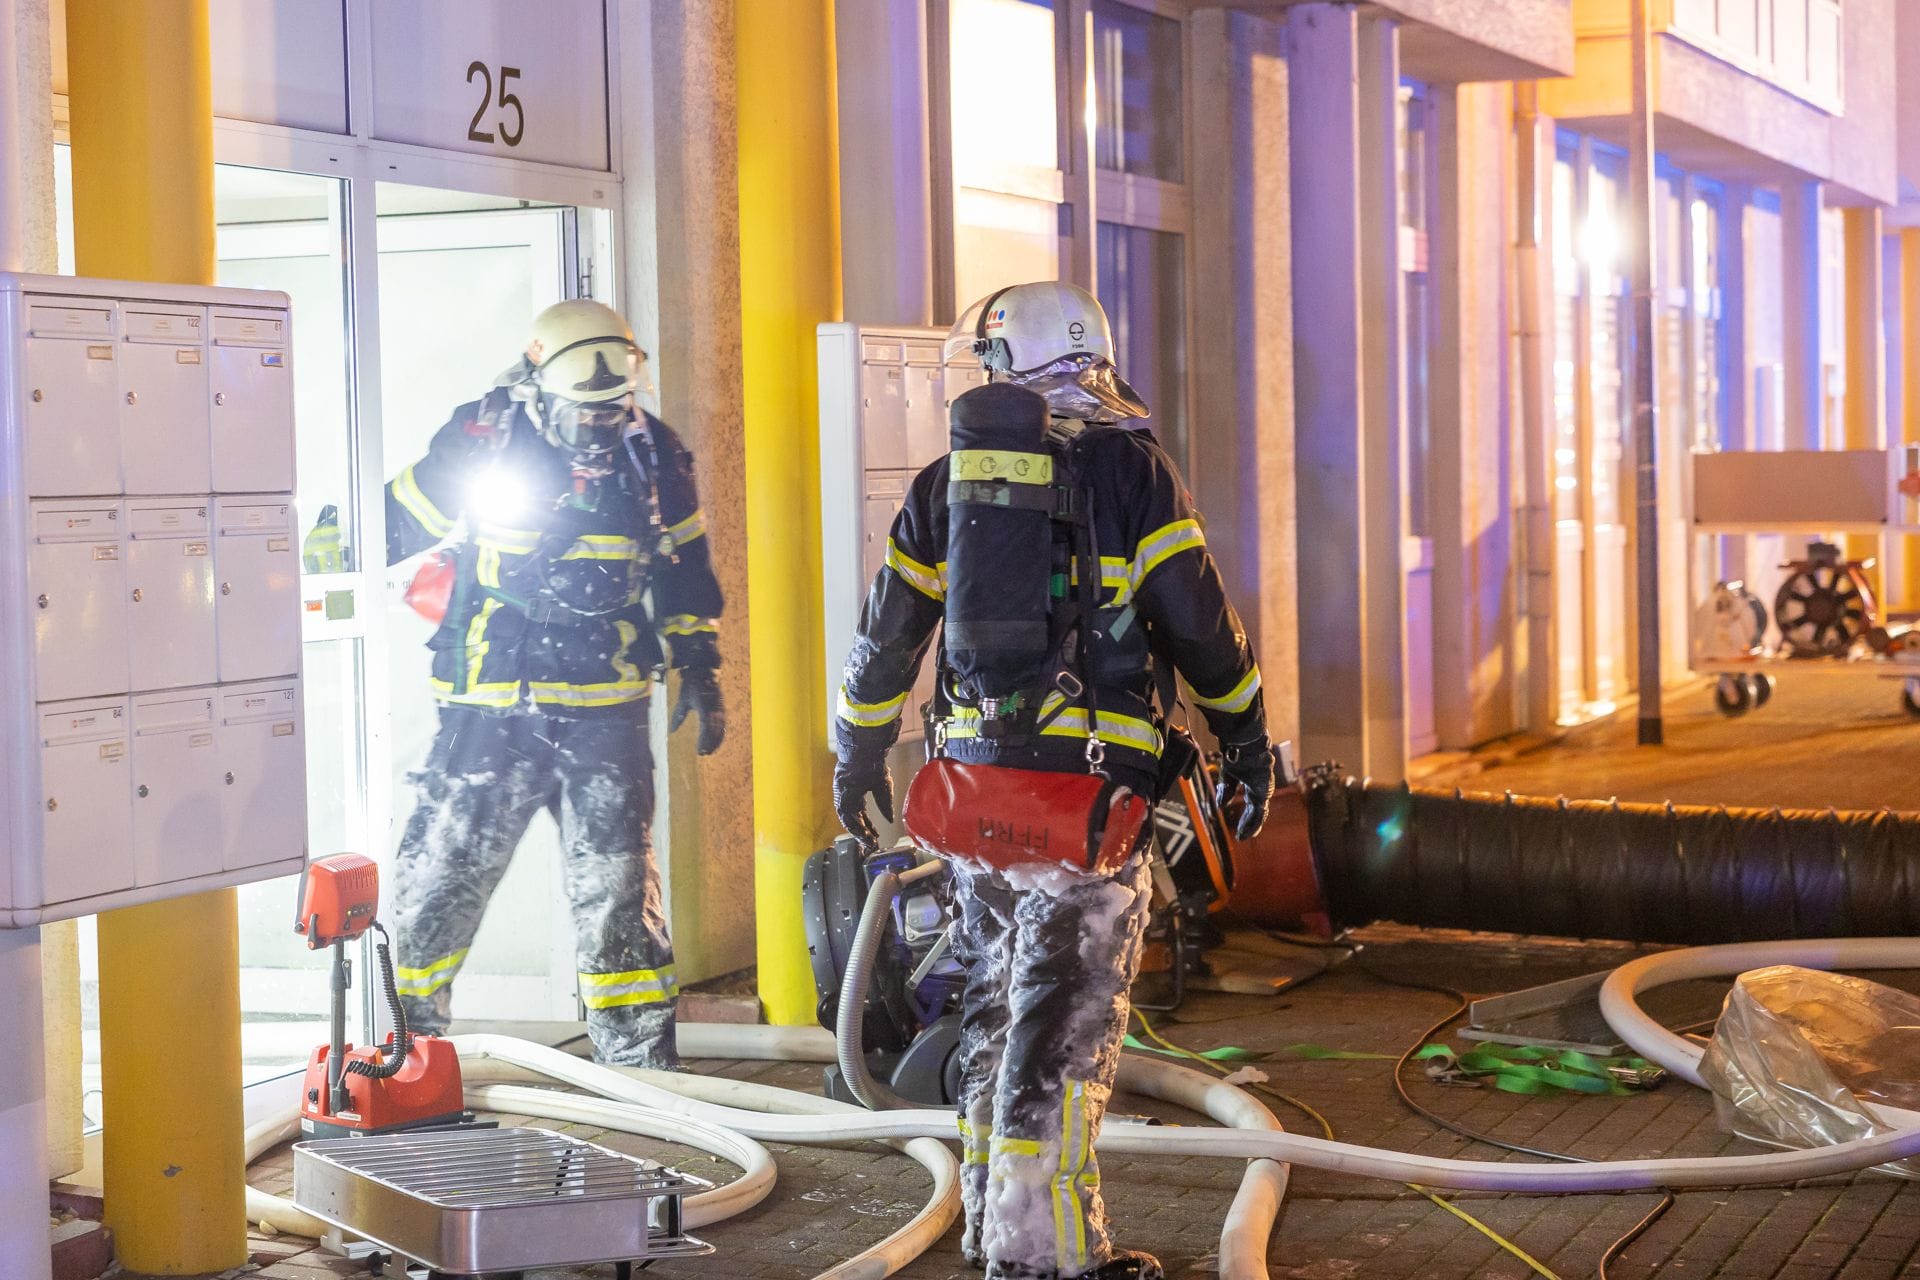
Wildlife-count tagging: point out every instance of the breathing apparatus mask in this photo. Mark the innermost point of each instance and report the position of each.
(589, 433)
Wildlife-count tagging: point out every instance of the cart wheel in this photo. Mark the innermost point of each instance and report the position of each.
(1733, 696)
(1910, 696)
(1761, 687)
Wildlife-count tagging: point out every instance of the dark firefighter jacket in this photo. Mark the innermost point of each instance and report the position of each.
(1162, 595)
(558, 604)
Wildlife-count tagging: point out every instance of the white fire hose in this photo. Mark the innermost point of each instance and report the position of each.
(735, 1115)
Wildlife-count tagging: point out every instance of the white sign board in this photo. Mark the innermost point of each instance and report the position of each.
(496, 77)
(281, 62)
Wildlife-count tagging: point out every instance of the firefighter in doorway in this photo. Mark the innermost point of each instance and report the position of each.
(576, 567)
(1049, 954)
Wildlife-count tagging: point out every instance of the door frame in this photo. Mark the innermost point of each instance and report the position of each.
(362, 164)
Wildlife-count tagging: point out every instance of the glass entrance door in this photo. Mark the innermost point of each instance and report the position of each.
(460, 278)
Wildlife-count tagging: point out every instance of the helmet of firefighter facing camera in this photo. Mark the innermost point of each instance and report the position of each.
(1052, 338)
(584, 366)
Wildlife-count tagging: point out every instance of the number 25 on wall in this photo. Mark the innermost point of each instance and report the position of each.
(474, 132)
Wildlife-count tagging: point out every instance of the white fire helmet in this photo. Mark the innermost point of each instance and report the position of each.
(582, 369)
(1053, 338)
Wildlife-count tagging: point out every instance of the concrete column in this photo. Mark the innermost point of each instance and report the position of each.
(790, 284)
(1805, 376)
(1864, 423)
(886, 205)
(1472, 455)
(1243, 476)
(1382, 566)
(174, 1162)
(681, 224)
(27, 244)
(1738, 429)
(24, 1244)
(1910, 397)
(1345, 391)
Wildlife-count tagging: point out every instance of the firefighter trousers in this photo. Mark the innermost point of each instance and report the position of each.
(1042, 1017)
(485, 778)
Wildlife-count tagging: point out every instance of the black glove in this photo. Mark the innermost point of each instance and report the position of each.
(1246, 768)
(700, 691)
(855, 777)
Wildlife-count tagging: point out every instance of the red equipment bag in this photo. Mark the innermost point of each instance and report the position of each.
(1011, 818)
(431, 591)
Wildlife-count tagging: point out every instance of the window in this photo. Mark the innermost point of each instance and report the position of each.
(1143, 288)
(1008, 179)
(1416, 182)
(1139, 119)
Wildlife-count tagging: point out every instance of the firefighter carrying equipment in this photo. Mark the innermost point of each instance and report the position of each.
(1015, 819)
(1158, 599)
(567, 595)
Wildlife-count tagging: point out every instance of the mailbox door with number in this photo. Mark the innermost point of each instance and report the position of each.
(258, 602)
(164, 441)
(252, 403)
(72, 400)
(265, 781)
(77, 597)
(170, 595)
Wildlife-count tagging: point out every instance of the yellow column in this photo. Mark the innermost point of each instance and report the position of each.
(1866, 402)
(1909, 433)
(142, 125)
(789, 284)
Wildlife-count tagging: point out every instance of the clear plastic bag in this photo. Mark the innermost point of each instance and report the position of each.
(1799, 1052)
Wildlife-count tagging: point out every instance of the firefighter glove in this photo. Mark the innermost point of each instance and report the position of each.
(855, 777)
(1246, 768)
(700, 691)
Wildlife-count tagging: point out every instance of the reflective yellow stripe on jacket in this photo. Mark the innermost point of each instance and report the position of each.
(1236, 699)
(407, 492)
(632, 685)
(498, 694)
(1162, 545)
(1117, 730)
(870, 715)
(925, 580)
(694, 526)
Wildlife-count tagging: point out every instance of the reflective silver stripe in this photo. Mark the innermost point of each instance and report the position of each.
(919, 576)
(694, 526)
(870, 715)
(1239, 698)
(685, 624)
(1119, 730)
(1167, 541)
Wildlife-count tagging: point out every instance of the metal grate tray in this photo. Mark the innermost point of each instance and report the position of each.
(471, 1202)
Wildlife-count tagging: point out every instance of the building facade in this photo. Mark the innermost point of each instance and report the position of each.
(1367, 263)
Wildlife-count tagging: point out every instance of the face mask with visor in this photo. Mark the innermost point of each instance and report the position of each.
(589, 432)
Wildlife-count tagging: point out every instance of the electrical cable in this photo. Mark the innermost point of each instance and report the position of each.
(1613, 1251)
(1326, 1127)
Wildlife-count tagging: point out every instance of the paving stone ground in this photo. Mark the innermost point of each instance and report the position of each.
(1820, 742)
(832, 1202)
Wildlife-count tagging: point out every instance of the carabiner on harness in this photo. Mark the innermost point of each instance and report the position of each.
(1096, 754)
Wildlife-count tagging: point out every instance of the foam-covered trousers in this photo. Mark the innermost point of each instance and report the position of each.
(485, 778)
(1042, 1017)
